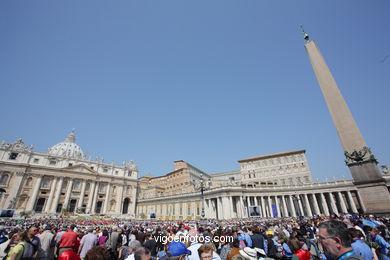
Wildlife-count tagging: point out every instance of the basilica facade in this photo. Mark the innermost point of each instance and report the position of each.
(64, 179)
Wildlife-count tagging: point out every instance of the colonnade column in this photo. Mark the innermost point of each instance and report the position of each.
(67, 195)
(342, 203)
(226, 209)
(106, 200)
(264, 212)
(292, 206)
(57, 196)
(242, 206)
(34, 194)
(351, 202)
(315, 203)
(308, 209)
(333, 204)
(285, 211)
(324, 204)
(300, 205)
(51, 195)
(230, 198)
(277, 206)
(270, 207)
(90, 196)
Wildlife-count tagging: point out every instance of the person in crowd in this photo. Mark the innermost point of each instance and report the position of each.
(16, 253)
(87, 242)
(205, 252)
(235, 250)
(133, 246)
(358, 245)
(47, 244)
(298, 252)
(103, 238)
(336, 241)
(98, 253)
(142, 253)
(68, 240)
(384, 246)
(11, 242)
(150, 243)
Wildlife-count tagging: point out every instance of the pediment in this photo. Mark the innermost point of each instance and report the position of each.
(80, 168)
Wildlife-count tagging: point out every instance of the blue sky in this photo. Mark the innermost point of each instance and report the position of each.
(209, 82)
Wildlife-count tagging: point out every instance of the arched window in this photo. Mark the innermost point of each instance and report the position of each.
(4, 179)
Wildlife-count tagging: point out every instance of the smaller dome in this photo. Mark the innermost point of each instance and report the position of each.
(67, 148)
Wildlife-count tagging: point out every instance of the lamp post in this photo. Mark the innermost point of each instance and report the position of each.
(201, 186)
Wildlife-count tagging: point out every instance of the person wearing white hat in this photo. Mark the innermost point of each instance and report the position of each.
(249, 253)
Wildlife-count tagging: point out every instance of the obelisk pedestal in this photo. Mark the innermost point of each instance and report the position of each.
(361, 162)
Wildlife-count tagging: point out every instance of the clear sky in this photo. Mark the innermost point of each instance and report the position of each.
(206, 81)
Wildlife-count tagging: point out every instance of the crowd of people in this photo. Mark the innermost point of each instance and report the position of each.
(330, 238)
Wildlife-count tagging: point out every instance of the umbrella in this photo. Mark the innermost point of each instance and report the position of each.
(369, 223)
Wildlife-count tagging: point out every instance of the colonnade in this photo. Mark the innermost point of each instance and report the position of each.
(289, 205)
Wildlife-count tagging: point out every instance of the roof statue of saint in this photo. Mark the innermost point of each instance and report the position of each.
(67, 148)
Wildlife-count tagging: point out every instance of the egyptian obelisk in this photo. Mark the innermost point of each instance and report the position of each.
(361, 162)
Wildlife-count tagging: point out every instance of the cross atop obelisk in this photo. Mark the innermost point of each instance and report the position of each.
(359, 159)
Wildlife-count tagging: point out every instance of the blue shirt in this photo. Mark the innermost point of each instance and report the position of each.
(246, 238)
(383, 246)
(362, 249)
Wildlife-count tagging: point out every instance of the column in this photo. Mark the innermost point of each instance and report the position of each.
(361, 201)
(230, 199)
(220, 208)
(309, 212)
(95, 197)
(242, 206)
(324, 204)
(333, 204)
(285, 211)
(315, 203)
(351, 202)
(271, 213)
(68, 192)
(57, 196)
(82, 192)
(264, 212)
(342, 203)
(106, 200)
(120, 199)
(292, 206)
(90, 197)
(51, 195)
(277, 206)
(300, 205)
(10, 202)
(34, 194)
(133, 199)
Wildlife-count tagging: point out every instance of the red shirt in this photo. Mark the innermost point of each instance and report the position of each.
(68, 239)
(69, 255)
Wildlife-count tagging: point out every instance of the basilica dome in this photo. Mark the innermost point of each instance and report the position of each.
(67, 148)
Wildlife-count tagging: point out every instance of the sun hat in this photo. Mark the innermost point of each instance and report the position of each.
(249, 253)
